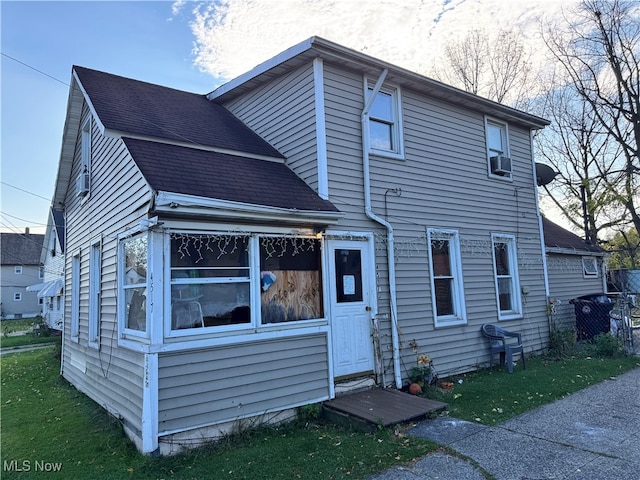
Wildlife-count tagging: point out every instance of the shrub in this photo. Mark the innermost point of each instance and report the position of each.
(607, 345)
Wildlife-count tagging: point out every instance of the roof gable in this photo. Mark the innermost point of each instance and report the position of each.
(135, 108)
(209, 174)
(556, 237)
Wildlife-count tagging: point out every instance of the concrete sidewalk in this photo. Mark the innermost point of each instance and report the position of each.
(593, 434)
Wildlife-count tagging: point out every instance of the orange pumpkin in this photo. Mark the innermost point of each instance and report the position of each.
(415, 389)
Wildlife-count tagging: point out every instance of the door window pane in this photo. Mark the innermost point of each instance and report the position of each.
(348, 269)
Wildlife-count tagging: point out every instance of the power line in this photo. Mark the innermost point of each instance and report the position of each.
(35, 224)
(34, 69)
(26, 191)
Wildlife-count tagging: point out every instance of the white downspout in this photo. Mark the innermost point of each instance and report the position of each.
(390, 242)
(543, 245)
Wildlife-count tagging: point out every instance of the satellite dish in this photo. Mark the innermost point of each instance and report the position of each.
(544, 174)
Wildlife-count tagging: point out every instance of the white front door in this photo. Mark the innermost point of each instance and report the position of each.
(351, 309)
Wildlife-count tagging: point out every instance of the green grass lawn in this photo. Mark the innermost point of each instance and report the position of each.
(492, 396)
(45, 421)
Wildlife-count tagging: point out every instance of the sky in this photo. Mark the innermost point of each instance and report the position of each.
(196, 46)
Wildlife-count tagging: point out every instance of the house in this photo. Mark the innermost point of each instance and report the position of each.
(575, 268)
(52, 258)
(20, 269)
(307, 228)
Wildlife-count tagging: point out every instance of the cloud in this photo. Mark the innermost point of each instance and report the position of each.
(233, 36)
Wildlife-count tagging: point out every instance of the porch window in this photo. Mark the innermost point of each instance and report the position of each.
(290, 279)
(589, 267)
(446, 277)
(506, 276)
(210, 281)
(134, 282)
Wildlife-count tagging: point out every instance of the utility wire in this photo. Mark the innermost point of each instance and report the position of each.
(34, 69)
(25, 191)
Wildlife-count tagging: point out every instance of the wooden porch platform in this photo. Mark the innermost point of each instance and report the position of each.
(372, 408)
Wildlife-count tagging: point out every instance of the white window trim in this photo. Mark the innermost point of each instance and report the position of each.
(397, 130)
(255, 325)
(515, 312)
(124, 332)
(588, 272)
(17, 297)
(507, 147)
(95, 274)
(75, 296)
(18, 269)
(460, 318)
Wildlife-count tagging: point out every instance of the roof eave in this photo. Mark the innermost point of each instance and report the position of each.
(211, 208)
(574, 251)
(319, 47)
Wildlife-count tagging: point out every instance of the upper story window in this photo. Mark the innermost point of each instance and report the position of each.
(84, 176)
(385, 122)
(505, 261)
(17, 297)
(17, 270)
(41, 271)
(498, 156)
(447, 290)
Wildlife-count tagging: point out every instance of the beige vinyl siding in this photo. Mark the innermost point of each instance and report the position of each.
(567, 281)
(445, 184)
(282, 112)
(117, 200)
(237, 381)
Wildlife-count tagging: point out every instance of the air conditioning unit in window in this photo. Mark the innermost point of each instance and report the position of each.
(82, 184)
(501, 165)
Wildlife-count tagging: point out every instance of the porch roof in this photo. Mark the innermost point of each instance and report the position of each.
(222, 176)
(560, 240)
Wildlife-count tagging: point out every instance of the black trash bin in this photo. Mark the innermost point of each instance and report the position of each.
(592, 315)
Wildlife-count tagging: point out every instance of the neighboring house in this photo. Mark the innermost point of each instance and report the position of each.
(20, 269)
(575, 269)
(52, 292)
(308, 227)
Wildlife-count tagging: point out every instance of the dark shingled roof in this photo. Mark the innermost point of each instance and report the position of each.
(557, 237)
(190, 171)
(21, 248)
(135, 107)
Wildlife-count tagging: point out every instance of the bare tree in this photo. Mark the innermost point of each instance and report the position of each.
(577, 148)
(495, 67)
(599, 52)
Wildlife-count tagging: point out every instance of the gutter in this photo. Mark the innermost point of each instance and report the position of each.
(390, 241)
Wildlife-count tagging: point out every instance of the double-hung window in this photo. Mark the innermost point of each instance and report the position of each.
(95, 272)
(75, 296)
(507, 283)
(447, 292)
(498, 157)
(385, 122)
